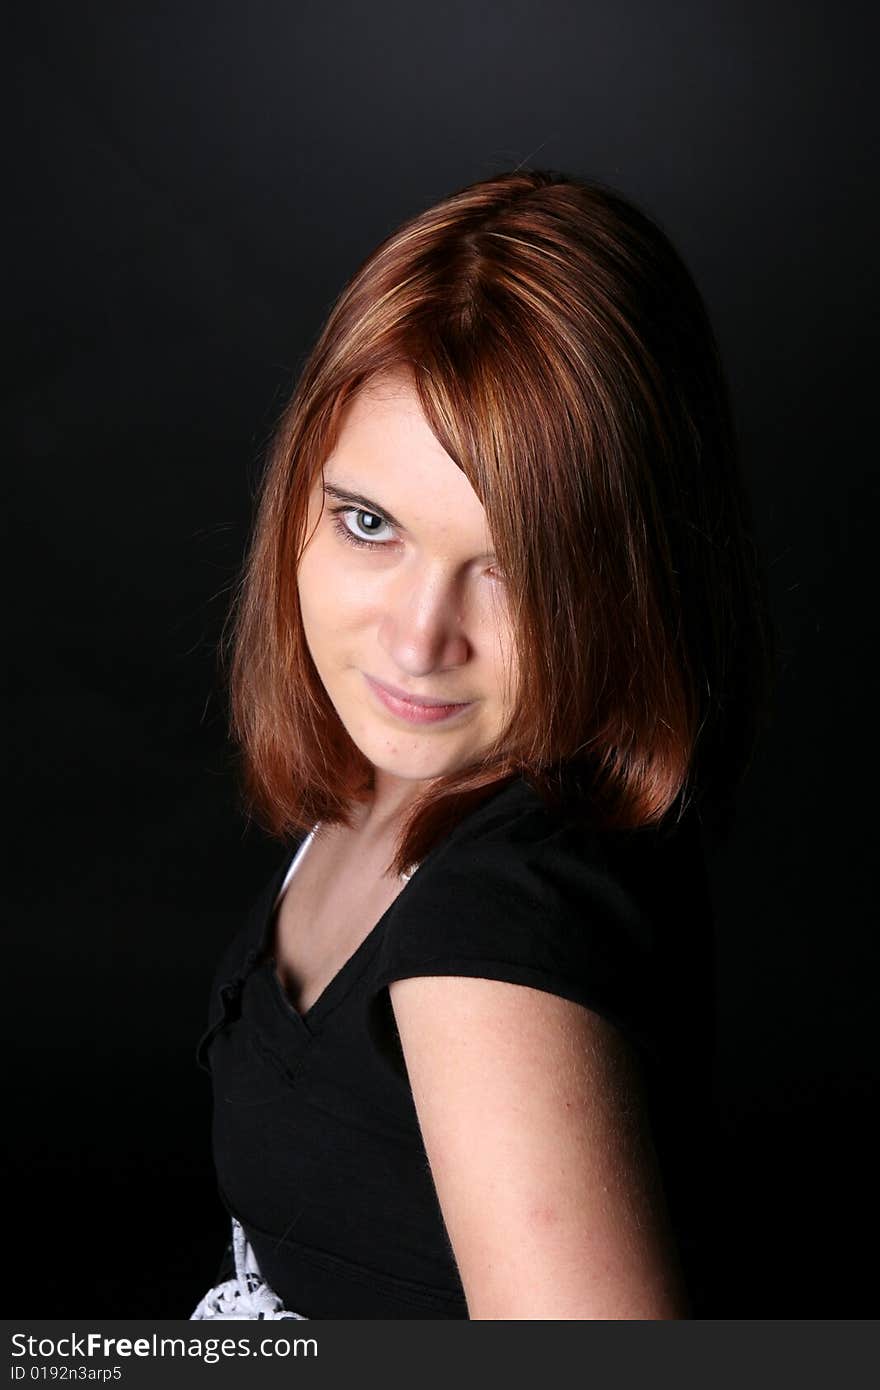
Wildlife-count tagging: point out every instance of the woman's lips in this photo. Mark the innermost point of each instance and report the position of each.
(414, 714)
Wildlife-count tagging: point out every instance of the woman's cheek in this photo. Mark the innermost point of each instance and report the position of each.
(356, 595)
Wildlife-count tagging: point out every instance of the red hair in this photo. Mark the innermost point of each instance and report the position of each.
(564, 360)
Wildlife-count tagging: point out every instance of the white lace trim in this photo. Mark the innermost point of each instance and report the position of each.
(247, 1295)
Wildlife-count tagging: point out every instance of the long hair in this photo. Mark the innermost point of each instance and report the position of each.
(564, 360)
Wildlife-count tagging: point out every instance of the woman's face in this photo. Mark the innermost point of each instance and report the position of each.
(419, 606)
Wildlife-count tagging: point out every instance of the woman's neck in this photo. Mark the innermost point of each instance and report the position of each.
(381, 815)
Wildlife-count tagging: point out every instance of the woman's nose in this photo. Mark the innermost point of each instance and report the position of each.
(422, 628)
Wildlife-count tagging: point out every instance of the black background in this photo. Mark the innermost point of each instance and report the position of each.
(188, 187)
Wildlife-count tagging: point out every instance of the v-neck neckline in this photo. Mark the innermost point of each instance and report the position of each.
(336, 987)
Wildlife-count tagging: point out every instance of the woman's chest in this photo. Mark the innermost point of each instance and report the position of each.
(328, 910)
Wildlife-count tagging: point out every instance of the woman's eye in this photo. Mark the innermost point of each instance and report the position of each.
(365, 529)
(368, 525)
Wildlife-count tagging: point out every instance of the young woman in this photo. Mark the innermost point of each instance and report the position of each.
(499, 650)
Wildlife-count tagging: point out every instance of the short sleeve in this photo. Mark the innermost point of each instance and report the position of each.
(534, 900)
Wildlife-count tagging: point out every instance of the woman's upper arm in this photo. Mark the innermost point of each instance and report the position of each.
(540, 1151)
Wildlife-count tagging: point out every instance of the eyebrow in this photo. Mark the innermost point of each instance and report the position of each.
(357, 499)
(344, 495)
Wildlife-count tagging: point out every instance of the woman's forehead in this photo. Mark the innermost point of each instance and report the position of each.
(385, 436)
(387, 398)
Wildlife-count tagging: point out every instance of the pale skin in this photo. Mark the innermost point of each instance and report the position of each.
(529, 1108)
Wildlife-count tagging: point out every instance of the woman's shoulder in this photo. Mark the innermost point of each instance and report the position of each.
(532, 893)
(520, 847)
(519, 812)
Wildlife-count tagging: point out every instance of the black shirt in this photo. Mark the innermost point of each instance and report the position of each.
(317, 1145)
